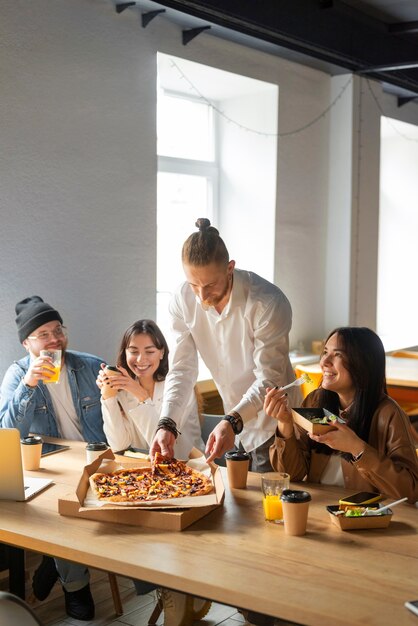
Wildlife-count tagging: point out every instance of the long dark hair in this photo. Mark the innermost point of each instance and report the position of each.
(365, 361)
(205, 246)
(145, 327)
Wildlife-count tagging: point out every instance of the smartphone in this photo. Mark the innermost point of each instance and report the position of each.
(412, 605)
(52, 448)
(363, 497)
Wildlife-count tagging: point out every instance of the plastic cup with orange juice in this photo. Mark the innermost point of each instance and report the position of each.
(272, 485)
(55, 366)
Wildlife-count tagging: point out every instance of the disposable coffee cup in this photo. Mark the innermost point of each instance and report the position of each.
(95, 449)
(237, 464)
(295, 511)
(31, 448)
(107, 390)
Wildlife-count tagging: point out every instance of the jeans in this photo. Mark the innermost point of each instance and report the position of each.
(73, 576)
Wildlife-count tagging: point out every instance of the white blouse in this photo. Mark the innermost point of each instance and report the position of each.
(129, 423)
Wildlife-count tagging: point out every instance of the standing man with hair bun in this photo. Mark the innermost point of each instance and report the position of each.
(239, 323)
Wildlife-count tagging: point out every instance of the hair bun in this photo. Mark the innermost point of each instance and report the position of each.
(202, 223)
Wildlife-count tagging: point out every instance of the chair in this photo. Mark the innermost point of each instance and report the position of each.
(14, 610)
(209, 422)
(314, 373)
(114, 588)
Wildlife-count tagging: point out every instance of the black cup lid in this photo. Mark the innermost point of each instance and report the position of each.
(237, 455)
(295, 496)
(96, 445)
(113, 368)
(31, 440)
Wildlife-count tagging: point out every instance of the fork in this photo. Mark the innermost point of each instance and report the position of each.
(296, 383)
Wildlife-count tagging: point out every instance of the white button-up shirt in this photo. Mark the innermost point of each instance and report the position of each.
(245, 348)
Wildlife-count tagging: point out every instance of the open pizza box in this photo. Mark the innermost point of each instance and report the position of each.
(175, 514)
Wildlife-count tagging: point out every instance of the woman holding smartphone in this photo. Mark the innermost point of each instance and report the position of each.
(371, 448)
(131, 416)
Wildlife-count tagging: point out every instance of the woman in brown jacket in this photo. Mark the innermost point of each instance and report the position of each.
(373, 450)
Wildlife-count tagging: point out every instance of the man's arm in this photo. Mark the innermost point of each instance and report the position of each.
(17, 401)
(271, 330)
(179, 383)
(182, 376)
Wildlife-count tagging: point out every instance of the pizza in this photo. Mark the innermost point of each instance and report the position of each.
(165, 479)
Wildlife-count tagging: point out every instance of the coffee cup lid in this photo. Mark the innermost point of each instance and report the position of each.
(295, 496)
(96, 445)
(31, 440)
(237, 455)
(113, 368)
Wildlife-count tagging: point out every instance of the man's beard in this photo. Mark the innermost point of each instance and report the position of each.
(215, 300)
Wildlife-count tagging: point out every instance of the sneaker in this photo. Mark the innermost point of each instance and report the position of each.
(178, 608)
(200, 608)
(44, 578)
(79, 604)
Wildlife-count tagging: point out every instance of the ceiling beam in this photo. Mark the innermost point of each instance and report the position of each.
(403, 28)
(338, 34)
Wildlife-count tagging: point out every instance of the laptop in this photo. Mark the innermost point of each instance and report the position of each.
(14, 485)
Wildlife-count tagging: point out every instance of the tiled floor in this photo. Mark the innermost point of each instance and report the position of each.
(136, 609)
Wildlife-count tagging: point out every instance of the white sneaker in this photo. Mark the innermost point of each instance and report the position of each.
(200, 608)
(178, 608)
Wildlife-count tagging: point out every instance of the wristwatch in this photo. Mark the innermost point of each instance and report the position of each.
(236, 422)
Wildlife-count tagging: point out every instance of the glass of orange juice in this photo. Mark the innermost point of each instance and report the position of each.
(272, 485)
(55, 367)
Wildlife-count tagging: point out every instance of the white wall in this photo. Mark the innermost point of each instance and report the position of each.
(77, 169)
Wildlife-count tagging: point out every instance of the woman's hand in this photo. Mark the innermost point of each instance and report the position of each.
(343, 439)
(100, 380)
(277, 406)
(122, 380)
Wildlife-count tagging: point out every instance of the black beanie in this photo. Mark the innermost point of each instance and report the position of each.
(31, 313)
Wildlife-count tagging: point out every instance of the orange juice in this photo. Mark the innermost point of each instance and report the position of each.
(53, 365)
(272, 507)
(55, 370)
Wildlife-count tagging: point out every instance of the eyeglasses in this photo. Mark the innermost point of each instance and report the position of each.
(57, 333)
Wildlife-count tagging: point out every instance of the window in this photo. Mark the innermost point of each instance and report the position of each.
(217, 158)
(397, 299)
(187, 185)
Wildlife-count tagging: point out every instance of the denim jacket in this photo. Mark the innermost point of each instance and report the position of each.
(30, 409)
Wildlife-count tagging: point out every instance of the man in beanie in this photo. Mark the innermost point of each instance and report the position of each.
(70, 409)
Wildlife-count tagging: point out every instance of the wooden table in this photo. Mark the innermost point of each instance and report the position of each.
(234, 556)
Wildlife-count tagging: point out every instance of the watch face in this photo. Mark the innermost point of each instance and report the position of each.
(238, 425)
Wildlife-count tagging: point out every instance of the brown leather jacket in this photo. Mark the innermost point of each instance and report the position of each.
(389, 463)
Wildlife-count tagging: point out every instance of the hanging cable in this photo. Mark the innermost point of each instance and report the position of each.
(253, 130)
